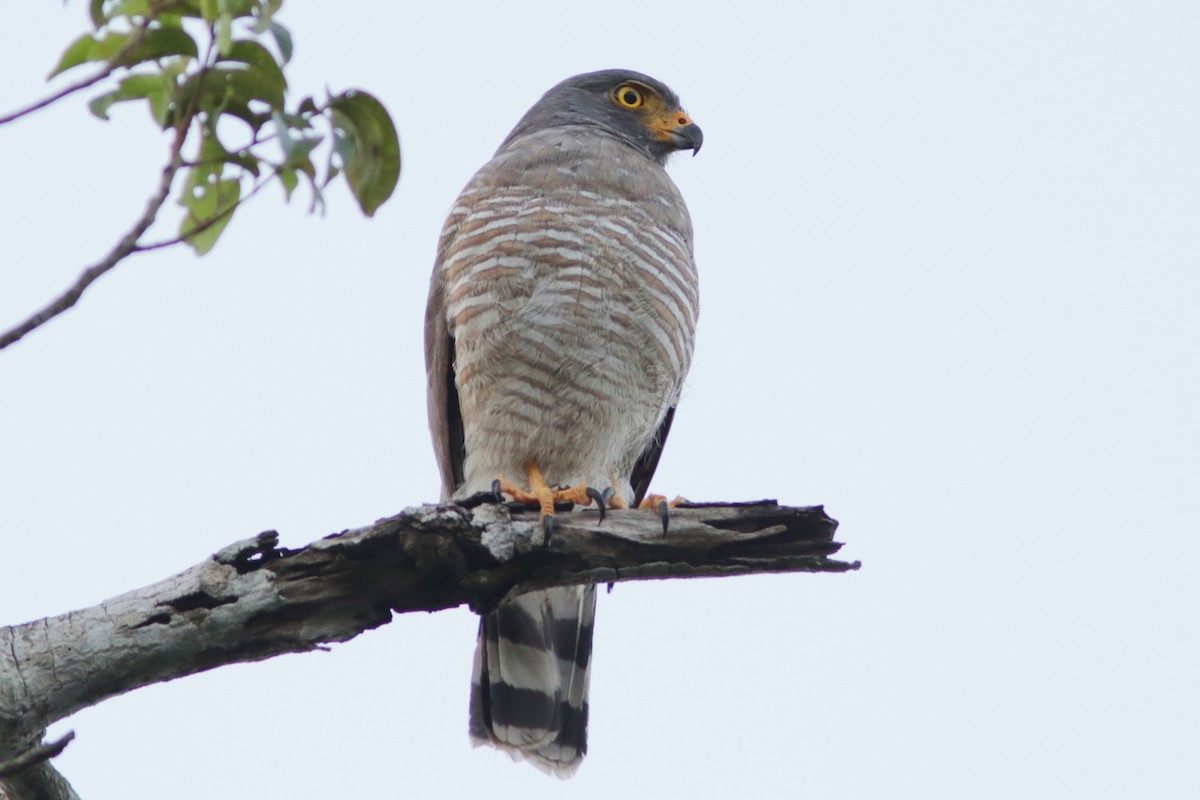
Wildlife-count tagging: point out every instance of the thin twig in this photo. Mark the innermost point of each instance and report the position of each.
(124, 247)
(54, 98)
(128, 243)
(114, 64)
(203, 226)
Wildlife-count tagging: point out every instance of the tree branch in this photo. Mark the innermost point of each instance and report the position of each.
(124, 247)
(114, 63)
(59, 95)
(40, 782)
(35, 755)
(30, 777)
(254, 600)
(206, 224)
(127, 245)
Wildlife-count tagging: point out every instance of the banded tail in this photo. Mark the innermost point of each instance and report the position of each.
(529, 685)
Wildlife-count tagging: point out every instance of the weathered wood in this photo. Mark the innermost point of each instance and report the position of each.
(39, 782)
(254, 600)
(35, 755)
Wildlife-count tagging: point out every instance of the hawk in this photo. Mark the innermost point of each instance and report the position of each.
(560, 327)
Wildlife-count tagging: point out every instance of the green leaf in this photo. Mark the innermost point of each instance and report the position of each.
(318, 200)
(153, 88)
(371, 148)
(230, 90)
(161, 43)
(246, 160)
(213, 154)
(76, 53)
(247, 83)
(260, 59)
(136, 87)
(216, 99)
(90, 48)
(331, 168)
(342, 153)
(174, 14)
(130, 8)
(210, 200)
(297, 148)
(99, 106)
(283, 39)
(99, 18)
(160, 108)
(289, 179)
(155, 43)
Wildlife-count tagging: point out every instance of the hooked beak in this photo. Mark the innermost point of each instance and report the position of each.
(677, 131)
(686, 137)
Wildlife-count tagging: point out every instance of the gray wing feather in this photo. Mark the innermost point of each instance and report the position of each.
(647, 463)
(445, 419)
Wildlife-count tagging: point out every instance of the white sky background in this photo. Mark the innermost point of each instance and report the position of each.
(949, 259)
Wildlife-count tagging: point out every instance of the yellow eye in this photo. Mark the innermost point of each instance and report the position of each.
(628, 96)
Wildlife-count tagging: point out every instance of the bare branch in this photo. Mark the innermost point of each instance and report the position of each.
(203, 226)
(113, 65)
(59, 95)
(254, 600)
(127, 245)
(124, 247)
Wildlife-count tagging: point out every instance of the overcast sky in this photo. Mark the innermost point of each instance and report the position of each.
(950, 288)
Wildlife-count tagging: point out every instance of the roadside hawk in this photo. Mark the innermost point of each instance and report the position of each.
(560, 326)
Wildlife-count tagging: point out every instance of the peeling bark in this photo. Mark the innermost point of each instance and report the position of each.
(254, 600)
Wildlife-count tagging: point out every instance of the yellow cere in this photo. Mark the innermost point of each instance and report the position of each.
(657, 115)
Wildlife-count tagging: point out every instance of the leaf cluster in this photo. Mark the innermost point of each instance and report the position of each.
(213, 71)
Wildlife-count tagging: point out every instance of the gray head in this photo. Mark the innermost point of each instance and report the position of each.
(631, 106)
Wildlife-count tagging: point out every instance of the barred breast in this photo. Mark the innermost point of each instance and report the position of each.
(570, 289)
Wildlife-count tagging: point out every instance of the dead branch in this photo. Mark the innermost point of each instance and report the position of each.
(254, 600)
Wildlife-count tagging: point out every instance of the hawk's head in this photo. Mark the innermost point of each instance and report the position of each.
(627, 104)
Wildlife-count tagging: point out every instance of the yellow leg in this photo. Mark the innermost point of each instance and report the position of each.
(541, 494)
(617, 500)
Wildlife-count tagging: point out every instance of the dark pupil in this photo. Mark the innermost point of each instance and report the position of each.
(629, 97)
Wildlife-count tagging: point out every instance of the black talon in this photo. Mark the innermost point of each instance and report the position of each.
(477, 499)
(601, 501)
(664, 512)
(496, 491)
(548, 528)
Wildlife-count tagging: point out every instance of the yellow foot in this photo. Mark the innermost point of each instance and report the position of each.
(617, 499)
(658, 501)
(544, 497)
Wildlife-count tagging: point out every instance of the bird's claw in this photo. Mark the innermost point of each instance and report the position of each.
(662, 506)
(601, 499)
(547, 529)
